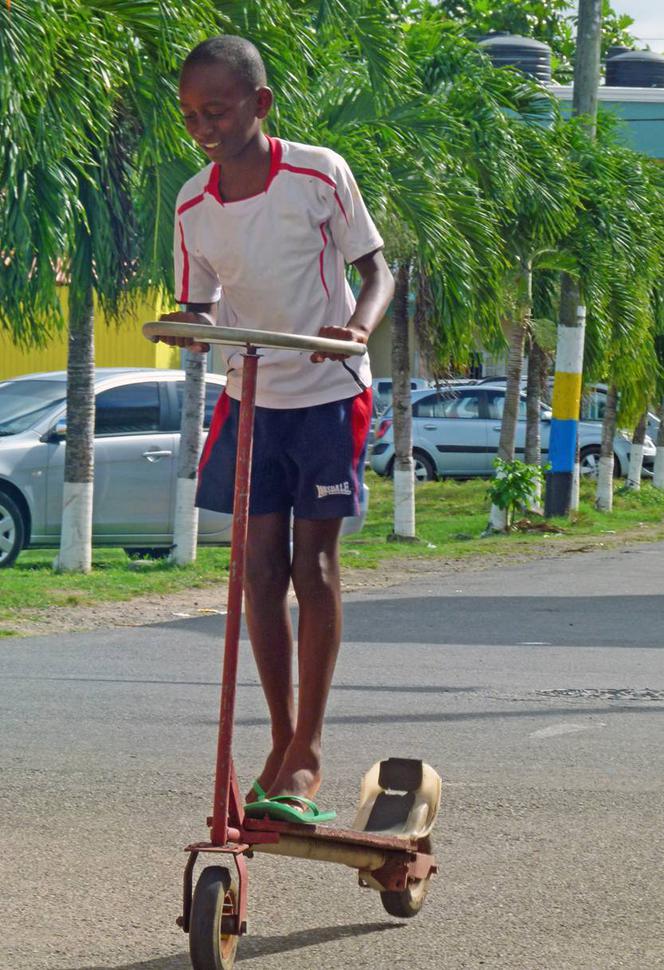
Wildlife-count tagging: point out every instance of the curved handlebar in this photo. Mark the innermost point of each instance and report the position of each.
(235, 337)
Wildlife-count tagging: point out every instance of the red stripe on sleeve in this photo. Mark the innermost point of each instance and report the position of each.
(341, 206)
(320, 262)
(314, 173)
(184, 290)
(190, 203)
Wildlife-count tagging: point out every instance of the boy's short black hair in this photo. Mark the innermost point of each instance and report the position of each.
(236, 53)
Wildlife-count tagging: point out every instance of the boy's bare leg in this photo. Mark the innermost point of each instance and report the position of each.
(267, 577)
(315, 574)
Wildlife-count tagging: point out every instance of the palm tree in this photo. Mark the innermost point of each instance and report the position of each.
(461, 290)
(520, 167)
(544, 210)
(369, 102)
(76, 156)
(619, 250)
(92, 237)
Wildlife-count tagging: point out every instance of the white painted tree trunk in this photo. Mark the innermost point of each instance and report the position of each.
(185, 528)
(497, 518)
(636, 455)
(404, 500)
(404, 466)
(75, 554)
(576, 484)
(604, 499)
(658, 476)
(604, 493)
(635, 468)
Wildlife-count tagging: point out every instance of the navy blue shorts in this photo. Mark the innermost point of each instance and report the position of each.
(310, 460)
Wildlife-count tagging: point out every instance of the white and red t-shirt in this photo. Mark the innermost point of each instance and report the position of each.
(275, 261)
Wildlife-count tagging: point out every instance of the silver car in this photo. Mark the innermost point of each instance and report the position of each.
(382, 391)
(456, 434)
(136, 446)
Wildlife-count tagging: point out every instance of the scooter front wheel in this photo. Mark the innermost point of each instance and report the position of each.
(214, 900)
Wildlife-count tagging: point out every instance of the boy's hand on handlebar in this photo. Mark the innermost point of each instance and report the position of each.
(337, 333)
(185, 316)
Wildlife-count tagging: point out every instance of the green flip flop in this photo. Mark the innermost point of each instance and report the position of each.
(278, 809)
(257, 789)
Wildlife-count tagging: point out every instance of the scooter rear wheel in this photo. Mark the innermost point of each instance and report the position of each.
(215, 898)
(407, 903)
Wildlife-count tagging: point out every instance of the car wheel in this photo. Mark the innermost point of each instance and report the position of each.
(589, 462)
(424, 467)
(12, 531)
(160, 552)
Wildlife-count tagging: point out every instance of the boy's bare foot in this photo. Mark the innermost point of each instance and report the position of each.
(299, 773)
(269, 772)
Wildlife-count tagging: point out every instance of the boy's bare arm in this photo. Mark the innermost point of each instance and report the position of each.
(373, 300)
(194, 313)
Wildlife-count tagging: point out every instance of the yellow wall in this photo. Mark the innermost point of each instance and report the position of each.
(116, 345)
(380, 350)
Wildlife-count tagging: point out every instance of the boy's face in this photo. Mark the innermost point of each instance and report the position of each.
(221, 112)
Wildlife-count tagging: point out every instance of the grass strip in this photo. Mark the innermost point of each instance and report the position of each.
(451, 517)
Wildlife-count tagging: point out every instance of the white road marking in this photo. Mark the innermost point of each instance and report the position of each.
(557, 729)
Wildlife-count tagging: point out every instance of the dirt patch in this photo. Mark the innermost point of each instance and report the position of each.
(161, 608)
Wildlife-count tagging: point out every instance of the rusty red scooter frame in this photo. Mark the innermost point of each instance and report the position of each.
(390, 864)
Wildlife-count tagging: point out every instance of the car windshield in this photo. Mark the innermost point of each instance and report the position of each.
(23, 403)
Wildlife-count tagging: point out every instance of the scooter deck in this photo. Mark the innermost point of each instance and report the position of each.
(327, 833)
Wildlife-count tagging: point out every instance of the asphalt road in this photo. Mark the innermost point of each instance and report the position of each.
(536, 691)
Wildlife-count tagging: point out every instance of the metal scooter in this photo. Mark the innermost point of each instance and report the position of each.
(390, 842)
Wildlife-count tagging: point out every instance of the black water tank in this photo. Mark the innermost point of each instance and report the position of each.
(529, 56)
(637, 69)
(616, 50)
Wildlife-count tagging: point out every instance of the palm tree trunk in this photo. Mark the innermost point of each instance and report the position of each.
(75, 553)
(636, 454)
(404, 477)
(185, 530)
(507, 441)
(604, 495)
(658, 479)
(533, 453)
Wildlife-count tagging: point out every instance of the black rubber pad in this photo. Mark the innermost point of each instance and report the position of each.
(390, 812)
(400, 774)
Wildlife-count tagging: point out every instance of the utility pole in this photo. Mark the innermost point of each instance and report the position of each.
(571, 324)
